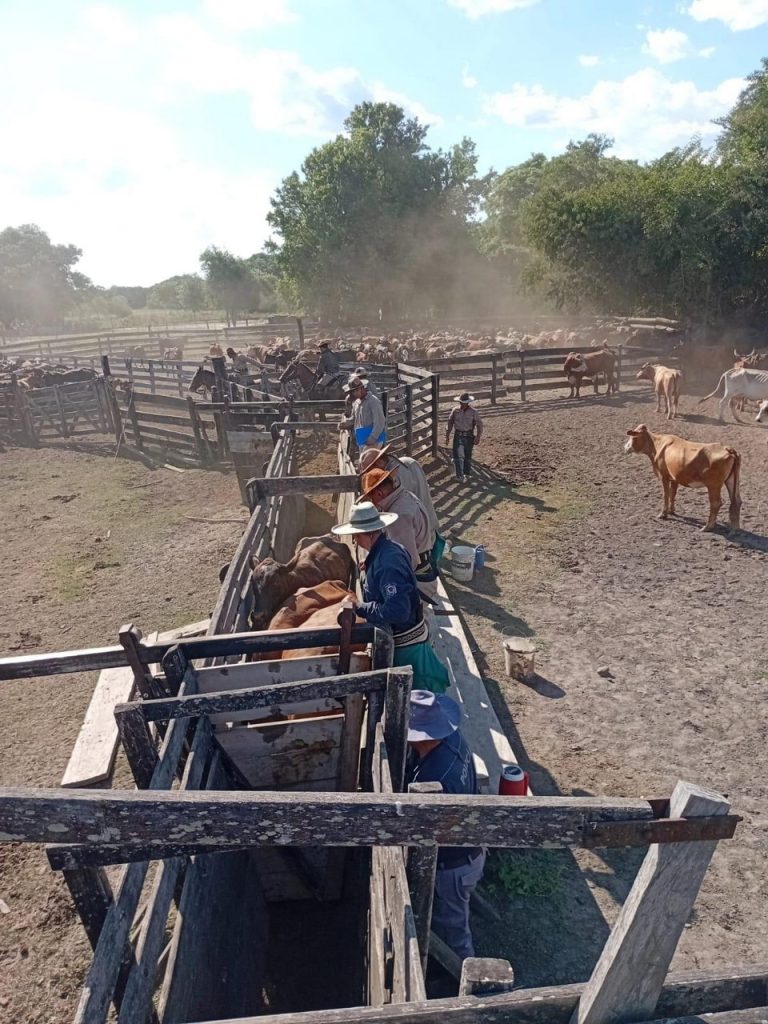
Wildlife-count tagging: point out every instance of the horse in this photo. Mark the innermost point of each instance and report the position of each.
(299, 380)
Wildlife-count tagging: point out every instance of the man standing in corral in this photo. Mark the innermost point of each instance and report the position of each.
(390, 594)
(410, 475)
(468, 425)
(442, 755)
(367, 420)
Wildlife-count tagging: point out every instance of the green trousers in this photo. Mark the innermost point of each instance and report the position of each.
(429, 673)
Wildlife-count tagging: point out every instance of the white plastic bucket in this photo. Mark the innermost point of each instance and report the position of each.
(462, 563)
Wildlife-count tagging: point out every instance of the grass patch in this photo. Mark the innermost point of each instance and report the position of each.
(522, 873)
(69, 577)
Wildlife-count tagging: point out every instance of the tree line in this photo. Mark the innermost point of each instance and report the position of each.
(376, 224)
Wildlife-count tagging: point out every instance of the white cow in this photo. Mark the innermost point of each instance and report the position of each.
(762, 411)
(740, 384)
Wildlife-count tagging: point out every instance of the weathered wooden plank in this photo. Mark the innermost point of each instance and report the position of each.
(285, 753)
(421, 870)
(482, 976)
(249, 698)
(142, 823)
(396, 710)
(269, 486)
(93, 755)
(627, 979)
(710, 992)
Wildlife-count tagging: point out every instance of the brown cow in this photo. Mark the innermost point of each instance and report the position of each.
(677, 463)
(665, 382)
(578, 365)
(315, 560)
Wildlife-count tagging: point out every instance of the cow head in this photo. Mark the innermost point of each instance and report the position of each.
(639, 440)
(762, 411)
(267, 586)
(646, 372)
(574, 364)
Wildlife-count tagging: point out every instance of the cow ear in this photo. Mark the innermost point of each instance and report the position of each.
(252, 563)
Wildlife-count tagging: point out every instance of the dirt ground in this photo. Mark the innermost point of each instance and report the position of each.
(87, 544)
(578, 561)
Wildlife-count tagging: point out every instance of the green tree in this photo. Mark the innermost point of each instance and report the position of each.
(38, 282)
(375, 220)
(744, 138)
(231, 282)
(191, 293)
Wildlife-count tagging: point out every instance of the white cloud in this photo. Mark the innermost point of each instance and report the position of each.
(478, 8)
(646, 113)
(667, 45)
(738, 15)
(706, 52)
(468, 80)
(249, 15)
(588, 60)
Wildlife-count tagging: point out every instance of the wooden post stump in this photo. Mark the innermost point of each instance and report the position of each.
(485, 976)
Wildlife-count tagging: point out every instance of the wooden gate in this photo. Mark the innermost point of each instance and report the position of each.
(68, 410)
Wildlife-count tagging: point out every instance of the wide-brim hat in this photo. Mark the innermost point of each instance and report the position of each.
(433, 716)
(373, 479)
(364, 517)
(464, 398)
(370, 457)
(354, 382)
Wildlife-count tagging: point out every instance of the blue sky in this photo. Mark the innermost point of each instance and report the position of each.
(142, 131)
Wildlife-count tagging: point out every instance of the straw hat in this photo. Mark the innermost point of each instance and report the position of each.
(375, 478)
(433, 716)
(370, 457)
(322, 344)
(464, 398)
(364, 517)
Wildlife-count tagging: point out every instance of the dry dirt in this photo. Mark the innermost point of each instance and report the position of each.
(87, 543)
(578, 561)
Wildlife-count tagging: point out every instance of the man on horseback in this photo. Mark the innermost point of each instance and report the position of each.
(328, 373)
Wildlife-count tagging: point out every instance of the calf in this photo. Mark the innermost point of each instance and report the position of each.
(315, 560)
(762, 411)
(665, 382)
(680, 463)
(740, 383)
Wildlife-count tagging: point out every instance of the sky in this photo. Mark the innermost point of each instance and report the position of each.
(143, 131)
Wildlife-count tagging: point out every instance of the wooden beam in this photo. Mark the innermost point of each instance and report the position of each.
(226, 701)
(141, 823)
(627, 979)
(716, 993)
(421, 870)
(396, 710)
(483, 976)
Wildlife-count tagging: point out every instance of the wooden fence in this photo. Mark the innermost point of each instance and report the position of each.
(518, 373)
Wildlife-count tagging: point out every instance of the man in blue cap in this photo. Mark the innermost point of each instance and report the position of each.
(444, 757)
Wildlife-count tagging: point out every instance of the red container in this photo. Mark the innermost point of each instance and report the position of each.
(513, 781)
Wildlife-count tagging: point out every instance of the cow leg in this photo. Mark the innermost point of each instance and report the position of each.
(658, 401)
(723, 400)
(665, 486)
(714, 508)
(673, 485)
(734, 509)
(734, 406)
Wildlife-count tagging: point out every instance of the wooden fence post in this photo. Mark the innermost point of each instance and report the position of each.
(628, 978)
(92, 895)
(435, 413)
(397, 704)
(619, 366)
(194, 419)
(522, 376)
(134, 418)
(494, 370)
(62, 414)
(409, 419)
(151, 367)
(130, 638)
(137, 743)
(484, 976)
(421, 870)
(300, 327)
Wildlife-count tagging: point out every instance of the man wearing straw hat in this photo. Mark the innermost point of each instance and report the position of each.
(469, 429)
(443, 756)
(410, 475)
(367, 420)
(390, 594)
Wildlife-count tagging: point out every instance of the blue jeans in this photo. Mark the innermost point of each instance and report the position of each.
(462, 453)
(450, 911)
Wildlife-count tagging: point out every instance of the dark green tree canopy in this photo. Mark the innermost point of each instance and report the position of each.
(38, 282)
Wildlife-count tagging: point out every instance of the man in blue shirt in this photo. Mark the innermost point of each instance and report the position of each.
(443, 756)
(367, 421)
(391, 596)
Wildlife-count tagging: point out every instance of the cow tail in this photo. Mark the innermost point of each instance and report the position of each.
(735, 473)
(713, 393)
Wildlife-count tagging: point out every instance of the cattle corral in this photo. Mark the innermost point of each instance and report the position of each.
(577, 561)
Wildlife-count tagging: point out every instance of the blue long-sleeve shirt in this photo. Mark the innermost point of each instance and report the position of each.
(390, 592)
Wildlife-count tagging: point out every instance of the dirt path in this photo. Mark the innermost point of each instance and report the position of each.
(578, 561)
(87, 543)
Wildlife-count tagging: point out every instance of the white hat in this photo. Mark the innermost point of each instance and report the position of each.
(364, 517)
